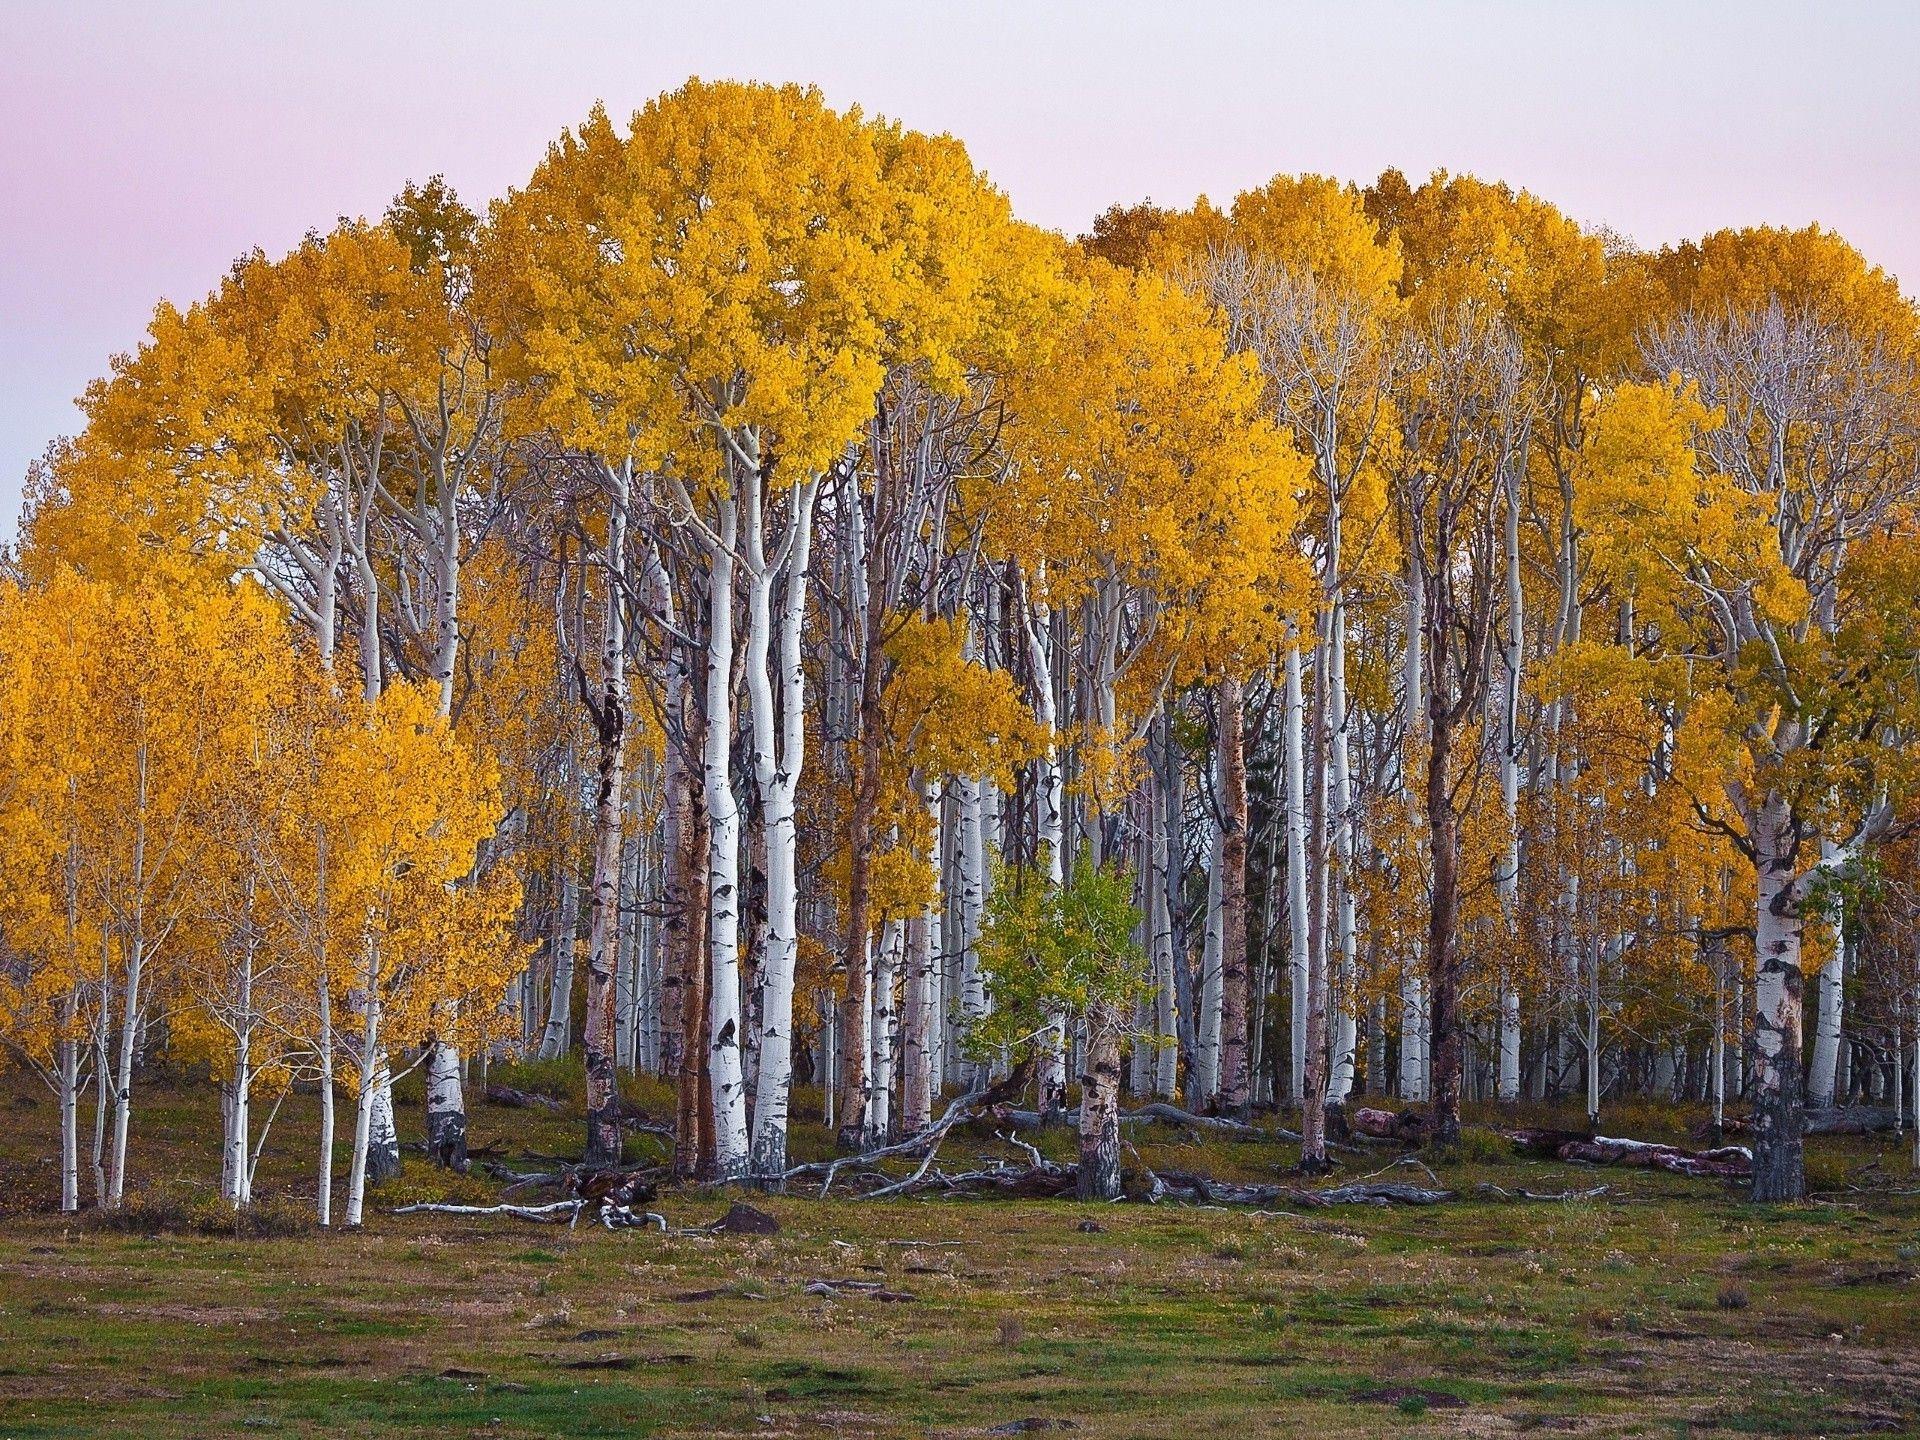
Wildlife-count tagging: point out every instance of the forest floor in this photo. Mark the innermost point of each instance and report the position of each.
(1668, 1306)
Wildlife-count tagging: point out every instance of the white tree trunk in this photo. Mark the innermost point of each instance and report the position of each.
(632, 992)
(601, 1033)
(779, 750)
(323, 1185)
(880, 1054)
(1824, 1068)
(1414, 1033)
(937, 938)
(1298, 911)
(372, 1073)
(557, 1039)
(1038, 622)
(1509, 1084)
(724, 1064)
(1204, 1083)
(236, 1172)
(1508, 879)
(1346, 1027)
(1778, 1171)
(69, 1071)
(916, 1025)
(130, 1016)
(971, 845)
(1166, 1019)
(383, 1143)
(446, 1102)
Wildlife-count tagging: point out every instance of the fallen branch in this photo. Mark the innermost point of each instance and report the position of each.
(1224, 1192)
(929, 1139)
(1727, 1161)
(1834, 1120)
(1488, 1191)
(860, 1289)
(1157, 1112)
(1407, 1126)
(559, 1210)
(509, 1098)
(612, 1216)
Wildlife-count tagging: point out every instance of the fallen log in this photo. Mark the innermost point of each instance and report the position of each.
(1226, 1192)
(1850, 1120)
(1048, 1181)
(508, 1098)
(1544, 1144)
(1725, 1162)
(1406, 1126)
(927, 1140)
(613, 1217)
(1158, 1112)
(1489, 1191)
(857, 1289)
(1836, 1120)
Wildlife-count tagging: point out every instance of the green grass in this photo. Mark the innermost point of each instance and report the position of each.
(1598, 1317)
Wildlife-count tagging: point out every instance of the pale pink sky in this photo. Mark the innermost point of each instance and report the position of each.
(145, 145)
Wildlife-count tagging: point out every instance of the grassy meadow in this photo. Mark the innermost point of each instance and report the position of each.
(1667, 1307)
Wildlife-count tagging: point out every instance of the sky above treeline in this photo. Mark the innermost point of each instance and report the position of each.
(143, 146)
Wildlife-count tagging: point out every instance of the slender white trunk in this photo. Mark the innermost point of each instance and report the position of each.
(557, 1038)
(446, 1102)
(1593, 1027)
(123, 1074)
(237, 1171)
(323, 1195)
(1824, 1067)
(600, 1035)
(372, 1074)
(880, 1055)
(971, 845)
(1038, 622)
(67, 1063)
(102, 1069)
(916, 1062)
(937, 938)
(370, 666)
(1717, 1061)
(1509, 1085)
(1778, 1172)
(1298, 914)
(1140, 1052)
(1508, 880)
(779, 752)
(1414, 1032)
(724, 1065)
(383, 1140)
(629, 991)
(1346, 1016)
(1166, 1049)
(1413, 1035)
(1205, 1080)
